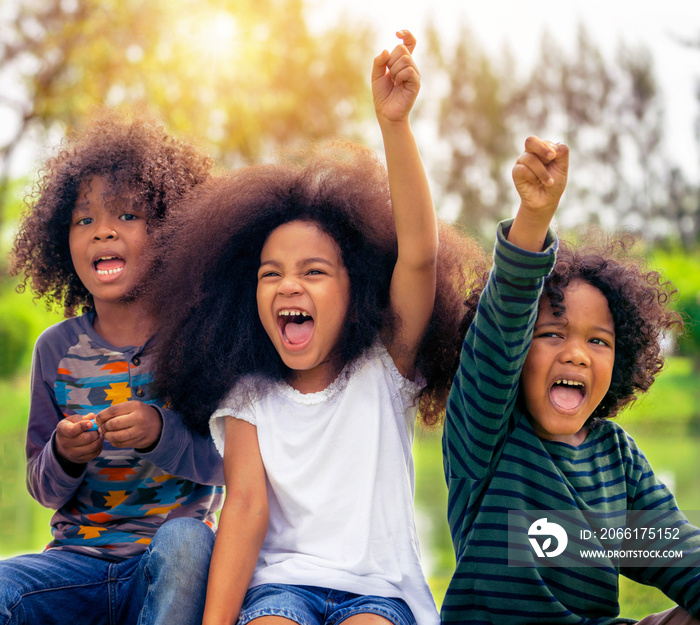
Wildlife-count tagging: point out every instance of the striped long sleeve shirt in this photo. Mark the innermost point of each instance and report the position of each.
(496, 466)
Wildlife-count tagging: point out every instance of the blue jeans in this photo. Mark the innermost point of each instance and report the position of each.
(312, 605)
(165, 585)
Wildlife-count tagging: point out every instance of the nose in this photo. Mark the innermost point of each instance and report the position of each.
(574, 351)
(288, 286)
(104, 231)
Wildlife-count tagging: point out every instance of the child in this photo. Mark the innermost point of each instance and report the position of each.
(554, 351)
(83, 244)
(318, 305)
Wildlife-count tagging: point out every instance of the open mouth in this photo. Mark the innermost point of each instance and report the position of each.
(567, 394)
(109, 265)
(295, 326)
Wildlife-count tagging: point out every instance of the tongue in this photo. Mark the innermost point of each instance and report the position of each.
(566, 397)
(299, 332)
(107, 265)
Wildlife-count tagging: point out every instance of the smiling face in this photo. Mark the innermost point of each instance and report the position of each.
(303, 295)
(569, 366)
(106, 238)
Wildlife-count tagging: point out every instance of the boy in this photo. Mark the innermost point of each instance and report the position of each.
(527, 430)
(116, 477)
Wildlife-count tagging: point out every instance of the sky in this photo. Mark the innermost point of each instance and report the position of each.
(656, 24)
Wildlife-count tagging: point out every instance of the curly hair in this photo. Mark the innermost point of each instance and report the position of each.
(139, 161)
(639, 299)
(210, 334)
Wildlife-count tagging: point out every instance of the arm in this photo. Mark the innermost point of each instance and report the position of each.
(242, 527)
(395, 85)
(485, 387)
(57, 448)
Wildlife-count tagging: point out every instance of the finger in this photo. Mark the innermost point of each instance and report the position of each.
(406, 75)
(85, 453)
(546, 150)
(523, 174)
(408, 39)
(379, 65)
(122, 438)
(538, 168)
(562, 157)
(116, 410)
(117, 422)
(72, 426)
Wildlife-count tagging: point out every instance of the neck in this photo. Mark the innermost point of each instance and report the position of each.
(126, 323)
(313, 380)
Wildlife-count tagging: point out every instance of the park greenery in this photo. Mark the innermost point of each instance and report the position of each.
(248, 78)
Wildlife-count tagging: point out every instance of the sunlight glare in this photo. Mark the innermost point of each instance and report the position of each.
(213, 35)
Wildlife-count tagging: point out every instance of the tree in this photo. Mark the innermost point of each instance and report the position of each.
(609, 112)
(475, 129)
(245, 76)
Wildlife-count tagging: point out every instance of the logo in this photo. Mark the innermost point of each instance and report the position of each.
(541, 528)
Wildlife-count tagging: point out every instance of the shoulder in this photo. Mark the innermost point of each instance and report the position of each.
(239, 403)
(613, 436)
(62, 335)
(378, 360)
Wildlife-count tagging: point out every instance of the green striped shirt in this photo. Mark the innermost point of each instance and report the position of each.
(495, 463)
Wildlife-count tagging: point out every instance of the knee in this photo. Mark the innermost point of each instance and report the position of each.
(10, 593)
(183, 540)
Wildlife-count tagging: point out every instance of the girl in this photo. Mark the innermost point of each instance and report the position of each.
(324, 309)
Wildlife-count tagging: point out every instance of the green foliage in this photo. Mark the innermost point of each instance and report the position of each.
(22, 319)
(246, 77)
(14, 341)
(683, 270)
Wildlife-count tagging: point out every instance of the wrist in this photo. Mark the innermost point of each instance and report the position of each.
(387, 125)
(70, 468)
(529, 229)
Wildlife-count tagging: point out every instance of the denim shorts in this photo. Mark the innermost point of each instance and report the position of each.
(310, 605)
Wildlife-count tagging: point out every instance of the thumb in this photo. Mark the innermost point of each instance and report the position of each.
(379, 65)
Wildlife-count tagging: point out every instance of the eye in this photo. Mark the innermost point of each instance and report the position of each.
(84, 221)
(268, 274)
(128, 217)
(315, 272)
(598, 341)
(547, 335)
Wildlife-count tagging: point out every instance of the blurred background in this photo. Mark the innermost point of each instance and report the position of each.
(618, 81)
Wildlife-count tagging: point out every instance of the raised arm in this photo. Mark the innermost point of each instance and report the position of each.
(395, 86)
(242, 527)
(486, 384)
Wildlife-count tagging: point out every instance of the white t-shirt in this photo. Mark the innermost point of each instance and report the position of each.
(340, 482)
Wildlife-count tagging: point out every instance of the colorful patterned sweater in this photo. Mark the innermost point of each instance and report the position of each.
(495, 463)
(115, 507)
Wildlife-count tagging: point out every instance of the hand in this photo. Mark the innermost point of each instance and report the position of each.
(395, 80)
(131, 424)
(75, 442)
(540, 175)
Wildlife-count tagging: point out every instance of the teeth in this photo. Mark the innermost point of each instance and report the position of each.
(102, 272)
(569, 382)
(292, 313)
